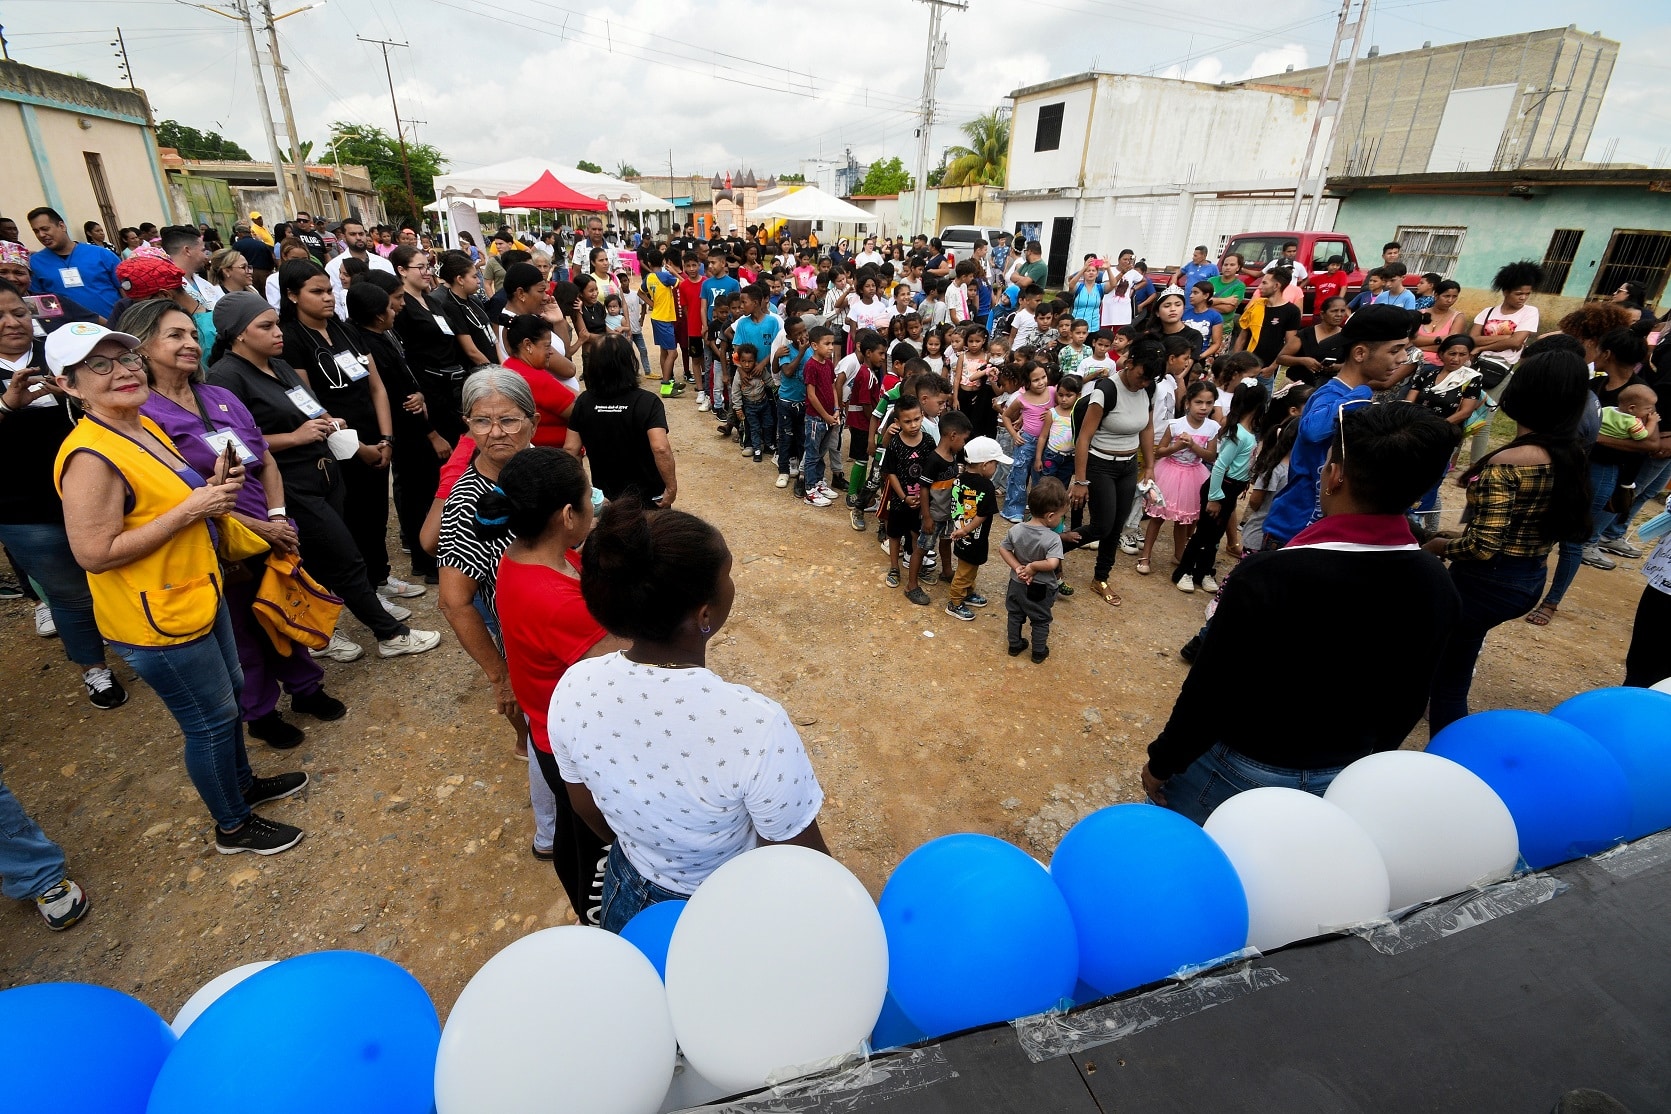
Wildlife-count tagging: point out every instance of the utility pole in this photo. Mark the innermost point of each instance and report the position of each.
(298, 163)
(1330, 102)
(671, 192)
(933, 63)
(121, 46)
(405, 163)
(241, 14)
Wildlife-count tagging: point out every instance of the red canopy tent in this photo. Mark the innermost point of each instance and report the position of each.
(549, 193)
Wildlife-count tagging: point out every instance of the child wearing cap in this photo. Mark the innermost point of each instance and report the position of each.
(974, 502)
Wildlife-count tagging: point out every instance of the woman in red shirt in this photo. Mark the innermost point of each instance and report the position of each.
(546, 505)
(528, 346)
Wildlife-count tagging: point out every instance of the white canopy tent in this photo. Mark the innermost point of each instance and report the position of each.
(488, 182)
(812, 203)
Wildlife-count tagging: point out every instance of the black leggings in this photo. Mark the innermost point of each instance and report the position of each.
(417, 473)
(327, 544)
(1113, 490)
(1648, 662)
(366, 511)
(1202, 551)
(577, 852)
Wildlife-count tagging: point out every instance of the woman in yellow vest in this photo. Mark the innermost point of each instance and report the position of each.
(140, 521)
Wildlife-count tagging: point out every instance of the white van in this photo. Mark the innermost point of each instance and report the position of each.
(959, 239)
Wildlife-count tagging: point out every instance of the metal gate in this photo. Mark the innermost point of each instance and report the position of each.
(1634, 255)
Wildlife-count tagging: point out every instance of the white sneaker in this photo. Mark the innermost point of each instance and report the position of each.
(1593, 556)
(702, 404)
(44, 624)
(885, 548)
(1208, 584)
(828, 492)
(396, 612)
(412, 642)
(783, 479)
(396, 588)
(1130, 544)
(340, 649)
(1186, 583)
(815, 499)
(746, 450)
(1091, 546)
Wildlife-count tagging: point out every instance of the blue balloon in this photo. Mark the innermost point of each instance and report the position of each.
(652, 930)
(1150, 893)
(893, 1028)
(85, 1047)
(1634, 725)
(326, 1031)
(1567, 795)
(977, 933)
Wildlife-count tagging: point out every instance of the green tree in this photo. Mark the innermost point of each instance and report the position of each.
(936, 176)
(588, 167)
(885, 176)
(379, 152)
(306, 151)
(623, 169)
(986, 160)
(791, 177)
(193, 144)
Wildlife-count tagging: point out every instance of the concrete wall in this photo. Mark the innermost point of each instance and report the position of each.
(1031, 170)
(1503, 229)
(1396, 102)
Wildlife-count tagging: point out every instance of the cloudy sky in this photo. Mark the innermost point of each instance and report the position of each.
(723, 83)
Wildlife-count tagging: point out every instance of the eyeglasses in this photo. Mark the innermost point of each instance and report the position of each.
(104, 365)
(482, 426)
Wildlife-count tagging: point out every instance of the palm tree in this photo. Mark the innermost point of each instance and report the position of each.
(987, 158)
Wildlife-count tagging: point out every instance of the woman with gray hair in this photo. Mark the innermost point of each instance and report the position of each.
(246, 362)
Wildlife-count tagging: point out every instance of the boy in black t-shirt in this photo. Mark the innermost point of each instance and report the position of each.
(974, 502)
(939, 477)
(907, 500)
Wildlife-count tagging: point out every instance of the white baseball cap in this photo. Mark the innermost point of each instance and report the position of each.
(979, 450)
(69, 345)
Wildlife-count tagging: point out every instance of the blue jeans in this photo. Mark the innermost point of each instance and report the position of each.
(42, 550)
(1221, 773)
(812, 461)
(1493, 592)
(791, 431)
(1021, 475)
(758, 417)
(626, 893)
(1603, 477)
(199, 683)
(1649, 480)
(643, 352)
(30, 863)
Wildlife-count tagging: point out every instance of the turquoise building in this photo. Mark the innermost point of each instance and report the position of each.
(1591, 229)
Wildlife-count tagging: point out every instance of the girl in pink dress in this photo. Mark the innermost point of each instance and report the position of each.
(1184, 450)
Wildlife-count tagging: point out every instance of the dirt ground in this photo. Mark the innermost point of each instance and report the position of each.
(417, 817)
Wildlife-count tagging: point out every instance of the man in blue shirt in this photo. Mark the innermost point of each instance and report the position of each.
(82, 272)
(1196, 270)
(1374, 342)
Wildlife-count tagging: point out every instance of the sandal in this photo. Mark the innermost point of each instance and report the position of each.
(1109, 595)
(1143, 567)
(1541, 615)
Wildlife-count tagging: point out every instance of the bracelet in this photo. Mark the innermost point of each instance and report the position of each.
(386, 439)
(276, 512)
(1081, 483)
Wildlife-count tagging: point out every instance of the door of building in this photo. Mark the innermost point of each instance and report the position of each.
(1061, 239)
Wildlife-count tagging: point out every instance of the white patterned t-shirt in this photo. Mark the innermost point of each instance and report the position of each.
(690, 770)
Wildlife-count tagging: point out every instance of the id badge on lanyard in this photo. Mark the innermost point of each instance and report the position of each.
(305, 402)
(352, 366)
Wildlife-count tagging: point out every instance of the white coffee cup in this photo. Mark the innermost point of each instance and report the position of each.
(344, 443)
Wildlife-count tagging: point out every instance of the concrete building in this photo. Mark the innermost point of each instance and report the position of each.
(692, 196)
(218, 192)
(1103, 161)
(87, 150)
(1516, 101)
(1591, 229)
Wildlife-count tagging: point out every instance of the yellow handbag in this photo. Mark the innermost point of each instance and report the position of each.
(236, 542)
(292, 607)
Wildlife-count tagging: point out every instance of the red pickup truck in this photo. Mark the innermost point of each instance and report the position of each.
(1259, 248)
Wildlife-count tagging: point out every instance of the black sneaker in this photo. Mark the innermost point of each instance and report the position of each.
(263, 836)
(800, 488)
(1017, 648)
(264, 789)
(958, 611)
(104, 691)
(432, 578)
(974, 599)
(9, 589)
(272, 730)
(1039, 656)
(758, 458)
(1189, 649)
(918, 596)
(319, 704)
(947, 576)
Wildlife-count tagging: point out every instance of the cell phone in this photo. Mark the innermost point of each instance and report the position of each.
(43, 305)
(228, 458)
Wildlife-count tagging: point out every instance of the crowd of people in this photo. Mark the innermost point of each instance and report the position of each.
(185, 421)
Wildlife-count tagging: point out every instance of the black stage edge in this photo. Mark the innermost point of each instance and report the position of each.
(1508, 1015)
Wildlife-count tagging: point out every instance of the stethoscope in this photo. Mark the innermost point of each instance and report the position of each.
(324, 356)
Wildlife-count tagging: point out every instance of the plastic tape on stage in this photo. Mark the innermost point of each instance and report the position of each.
(862, 1084)
(1635, 858)
(1428, 923)
(1045, 1036)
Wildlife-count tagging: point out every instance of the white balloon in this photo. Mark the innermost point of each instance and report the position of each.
(565, 1019)
(1307, 867)
(211, 990)
(1440, 828)
(1664, 686)
(688, 1090)
(778, 961)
